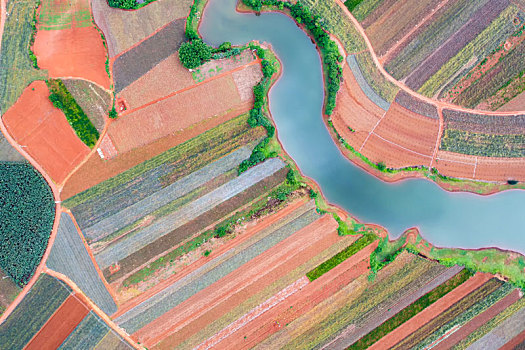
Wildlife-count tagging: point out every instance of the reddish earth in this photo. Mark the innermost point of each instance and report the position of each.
(211, 303)
(430, 312)
(455, 165)
(44, 132)
(500, 169)
(478, 321)
(60, 325)
(516, 104)
(299, 303)
(107, 148)
(517, 343)
(73, 52)
(186, 108)
(96, 170)
(250, 232)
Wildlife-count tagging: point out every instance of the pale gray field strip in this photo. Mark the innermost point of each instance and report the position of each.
(166, 195)
(183, 289)
(372, 95)
(70, 257)
(133, 242)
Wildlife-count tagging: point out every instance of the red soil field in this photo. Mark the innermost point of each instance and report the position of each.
(378, 149)
(516, 104)
(299, 303)
(239, 285)
(478, 321)
(353, 138)
(455, 165)
(408, 129)
(250, 232)
(74, 52)
(96, 170)
(500, 169)
(45, 133)
(517, 343)
(107, 147)
(430, 312)
(175, 113)
(354, 107)
(60, 325)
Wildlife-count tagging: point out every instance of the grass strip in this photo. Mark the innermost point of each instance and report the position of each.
(411, 310)
(340, 257)
(79, 121)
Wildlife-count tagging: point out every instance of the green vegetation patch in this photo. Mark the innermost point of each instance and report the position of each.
(479, 144)
(32, 313)
(340, 257)
(16, 67)
(57, 15)
(375, 79)
(352, 4)
(79, 121)
(411, 310)
(27, 212)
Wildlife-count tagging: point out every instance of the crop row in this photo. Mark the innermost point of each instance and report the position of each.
(468, 315)
(87, 334)
(337, 23)
(502, 333)
(363, 84)
(380, 292)
(416, 105)
(31, 314)
(384, 88)
(199, 223)
(430, 39)
(163, 196)
(477, 23)
(364, 9)
(70, 257)
(491, 324)
(394, 304)
(507, 69)
(479, 144)
(449, 314)
(492, 36)
(340, 257)
(412, 309)
(188, 286)
(180, 157)
(139, 239)
(490, 124)
(27, 211)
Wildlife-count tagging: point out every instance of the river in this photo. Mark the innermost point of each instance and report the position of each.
(445, 219)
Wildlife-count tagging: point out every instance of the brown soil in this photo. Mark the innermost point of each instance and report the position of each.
(43, 131)
(74, 52)
(516, 104)
(478, 321)
(430, 312)
(60, 325)
(96, 170)
(215, 301)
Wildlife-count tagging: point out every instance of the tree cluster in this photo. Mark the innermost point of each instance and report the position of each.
(193, 53)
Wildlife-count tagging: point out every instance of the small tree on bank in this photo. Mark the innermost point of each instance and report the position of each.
(193, 53)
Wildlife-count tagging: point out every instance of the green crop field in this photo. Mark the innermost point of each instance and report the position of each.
(16, 67)
(478, 144)
(27, 212)
(56, 15)
(362, 8)
(375, 79)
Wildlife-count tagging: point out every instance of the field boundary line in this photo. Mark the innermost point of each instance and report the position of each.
(94, 307)
(475, 166)
(402, 147)
(257, 61)
(372, 131)
(90, 253)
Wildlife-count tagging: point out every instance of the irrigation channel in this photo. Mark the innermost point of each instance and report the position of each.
(446, 219)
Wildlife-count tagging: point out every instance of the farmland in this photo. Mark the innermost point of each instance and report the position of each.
(124, 29)
(27, 213)
(50, 140)
(93, 100)
(9, 291)
(17, 68)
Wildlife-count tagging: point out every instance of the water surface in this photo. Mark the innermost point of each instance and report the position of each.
(446, 219)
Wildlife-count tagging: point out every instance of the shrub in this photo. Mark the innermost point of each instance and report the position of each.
(123, 4)
(113, 113)
(193, 53)
(267, 69)
(79, 121)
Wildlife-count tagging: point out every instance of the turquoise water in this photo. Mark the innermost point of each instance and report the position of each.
(445, 219)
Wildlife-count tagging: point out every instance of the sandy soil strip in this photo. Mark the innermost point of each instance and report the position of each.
(430, 312)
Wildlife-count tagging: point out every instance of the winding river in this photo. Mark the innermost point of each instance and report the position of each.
(446, 219)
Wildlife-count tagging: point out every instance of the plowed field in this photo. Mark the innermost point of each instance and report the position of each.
(44, 132)
(73, 52)
(60, 325)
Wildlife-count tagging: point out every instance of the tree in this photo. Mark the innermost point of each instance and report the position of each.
(123, 4)
(193, 53)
